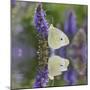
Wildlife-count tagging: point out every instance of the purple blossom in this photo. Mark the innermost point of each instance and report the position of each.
(41, 78)
(70, 77)
(70, 24)
(70, 29)
(40, 21)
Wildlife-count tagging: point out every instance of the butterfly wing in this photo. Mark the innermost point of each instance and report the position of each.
(56, 65)
(56, 38)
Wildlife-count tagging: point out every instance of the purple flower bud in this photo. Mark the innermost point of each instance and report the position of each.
(41, 78)
(40, 21)
(70, 24)
(70, 77)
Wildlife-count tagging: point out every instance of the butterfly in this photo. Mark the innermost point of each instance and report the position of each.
(56, 65)
(56, 38)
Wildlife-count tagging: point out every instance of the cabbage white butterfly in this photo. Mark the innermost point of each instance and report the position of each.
(56, 38)
(56, 65)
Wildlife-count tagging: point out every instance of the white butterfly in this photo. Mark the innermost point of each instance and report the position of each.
(56, 38)
(56, 65)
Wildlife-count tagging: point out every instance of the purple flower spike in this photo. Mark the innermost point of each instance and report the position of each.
(70, 77)
(40, 21)
(41, 78)
(70, 24)
(42, 28)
